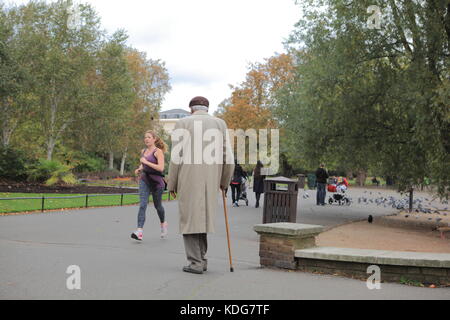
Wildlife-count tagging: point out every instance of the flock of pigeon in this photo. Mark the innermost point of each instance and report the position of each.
(419, 205)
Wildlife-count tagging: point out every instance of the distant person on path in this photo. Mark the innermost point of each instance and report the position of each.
(258, 182)
(375, 181)
(321, 178)
(197, 185)
(151, 182)
(238, 178)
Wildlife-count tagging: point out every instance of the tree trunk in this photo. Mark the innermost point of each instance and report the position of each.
(8, 124)
(361, 179)
(122, 163)
(50, 147)
(111, 160)
(6, 136)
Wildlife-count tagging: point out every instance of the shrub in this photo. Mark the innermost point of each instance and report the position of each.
(51, 172)
(13, 164)
(62, 176)
(88, 163)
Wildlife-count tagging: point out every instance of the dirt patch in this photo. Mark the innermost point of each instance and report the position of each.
(39, 188)
(364, 235)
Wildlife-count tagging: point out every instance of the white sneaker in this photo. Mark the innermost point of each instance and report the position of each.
(137, 235)
(164, 230)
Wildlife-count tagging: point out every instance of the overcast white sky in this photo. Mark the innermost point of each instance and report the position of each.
(206, 44)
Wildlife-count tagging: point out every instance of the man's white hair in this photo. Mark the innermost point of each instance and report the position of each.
(199, 107)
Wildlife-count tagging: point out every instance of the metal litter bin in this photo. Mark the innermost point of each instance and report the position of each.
(280, 200)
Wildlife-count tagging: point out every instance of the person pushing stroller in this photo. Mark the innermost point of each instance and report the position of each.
(239, 176)
(338, 188)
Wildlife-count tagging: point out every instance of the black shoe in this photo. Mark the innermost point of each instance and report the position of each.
(192, 270)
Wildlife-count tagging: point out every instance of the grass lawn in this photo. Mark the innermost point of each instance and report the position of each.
(9, 206)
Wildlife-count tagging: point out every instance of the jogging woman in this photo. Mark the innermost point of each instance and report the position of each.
(151, 182)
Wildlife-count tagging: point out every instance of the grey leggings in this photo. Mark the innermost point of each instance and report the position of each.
(144, 193)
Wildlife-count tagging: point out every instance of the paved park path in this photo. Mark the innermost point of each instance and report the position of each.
(37, 249)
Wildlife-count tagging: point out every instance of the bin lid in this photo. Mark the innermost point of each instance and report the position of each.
(281, 179)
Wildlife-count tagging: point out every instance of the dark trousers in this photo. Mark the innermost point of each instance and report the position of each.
(144, 193)
(196, 246)
(258, 196)
(235, 192)
(321, 193)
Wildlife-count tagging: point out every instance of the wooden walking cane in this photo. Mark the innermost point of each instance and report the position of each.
(228, 231)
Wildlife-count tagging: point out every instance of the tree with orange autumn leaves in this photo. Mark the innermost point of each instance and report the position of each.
(251, 102)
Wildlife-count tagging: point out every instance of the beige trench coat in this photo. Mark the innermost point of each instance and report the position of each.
(197, 183)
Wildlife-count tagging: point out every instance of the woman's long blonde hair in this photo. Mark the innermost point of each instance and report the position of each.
(159, 143)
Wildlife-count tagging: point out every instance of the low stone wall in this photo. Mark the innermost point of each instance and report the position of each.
(292, 246)
(278, 242)
(438, 276)
(395, 266)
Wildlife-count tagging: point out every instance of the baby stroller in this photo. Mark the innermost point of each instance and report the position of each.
(244, 192)
(338, 189)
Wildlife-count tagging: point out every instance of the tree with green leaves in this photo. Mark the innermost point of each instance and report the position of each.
(14, 77)
(366, 98)
(68, 90)
(150, 84)
(61, 55)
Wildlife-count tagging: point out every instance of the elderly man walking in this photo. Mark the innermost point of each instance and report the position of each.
(201, 164)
